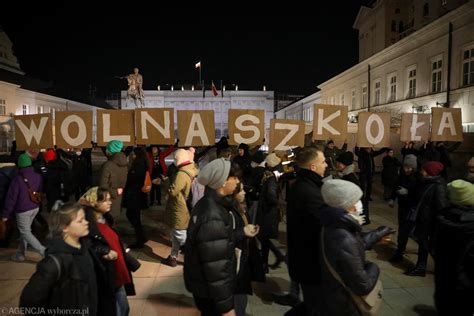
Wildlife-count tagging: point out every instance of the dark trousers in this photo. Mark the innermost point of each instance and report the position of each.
(155, 194)
(312, 296)
(404, 229)
(422, 255)
(206, 306)
(366, 180)
(134, 217)
(268, 245)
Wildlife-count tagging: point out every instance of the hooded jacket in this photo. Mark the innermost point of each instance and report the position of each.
(344, 246)
(210, 265)
(113, 176)
(18, 199)
(74, 286)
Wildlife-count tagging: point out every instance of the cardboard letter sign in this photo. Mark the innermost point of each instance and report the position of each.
(33, 131)
(196, 128)
(246, 126)
(73, 129)
(415, 127)
(373, 130)
(446, 125)
(329, 122)
(115, 124)
(155, 126)
(286, 133)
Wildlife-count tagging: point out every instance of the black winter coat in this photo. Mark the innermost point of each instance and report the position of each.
(73, 287)
(268, 215)
(304, 227)
(366, 159)
(57, 173)
(391, 166)
(432, 199)
(345, 247)
(410, 183)
(80, 172)
(454, 261)
(210, 265)
(134, 198)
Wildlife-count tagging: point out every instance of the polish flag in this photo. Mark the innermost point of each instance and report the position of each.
(214, 90)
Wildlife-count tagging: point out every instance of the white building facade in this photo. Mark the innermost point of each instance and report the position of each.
(194, 100)
(412, 74)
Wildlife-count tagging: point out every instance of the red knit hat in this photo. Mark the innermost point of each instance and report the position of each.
(49, 155)
(433, 168)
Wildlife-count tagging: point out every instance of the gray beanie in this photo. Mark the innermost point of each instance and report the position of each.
(410, 161)
(340, 193)
(215, 173)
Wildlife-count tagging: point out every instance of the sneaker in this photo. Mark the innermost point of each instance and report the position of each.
(170, 261)
(18, 258)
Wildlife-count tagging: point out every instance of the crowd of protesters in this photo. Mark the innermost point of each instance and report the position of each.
(224, 212)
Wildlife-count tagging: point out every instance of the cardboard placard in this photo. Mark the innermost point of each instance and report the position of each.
(33, 131)
(286, 133)
(155, 126)
(446, 125)
(330, 122)
(115, 124)
(196, 128)
(73, 129)
(373, 130)
(246, 126)
(415, 127)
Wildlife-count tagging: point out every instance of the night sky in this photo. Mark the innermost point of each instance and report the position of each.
(78, 46)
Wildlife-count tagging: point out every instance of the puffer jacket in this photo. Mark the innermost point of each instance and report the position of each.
(344, 246)
(303, 227)
(454, 261)
(74, 286)
(113, 177)
(210, 265)
(176, 209)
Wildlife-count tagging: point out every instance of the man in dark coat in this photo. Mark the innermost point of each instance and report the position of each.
(431, 201)
(303, 226)
(210, 265)
(390, 170)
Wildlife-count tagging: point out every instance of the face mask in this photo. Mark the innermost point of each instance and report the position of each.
(359, 207)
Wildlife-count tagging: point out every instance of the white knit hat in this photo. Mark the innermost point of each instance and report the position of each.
(340, 193)
(215, 173)
(272, 160)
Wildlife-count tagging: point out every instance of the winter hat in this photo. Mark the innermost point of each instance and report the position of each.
(181, 156)
(33, 153)
(346, 158)
(114, 146)
(330, 142)
(215, 173)
(49, 155)
(24, 161)
(410, 161)
(461, 192)
(433, 168)
(340, 193)
(272, 160)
